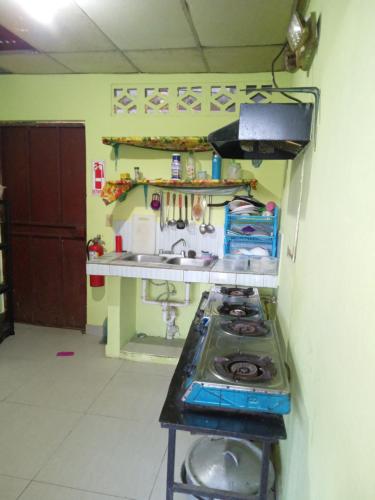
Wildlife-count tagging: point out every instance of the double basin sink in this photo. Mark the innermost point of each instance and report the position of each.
(167, 261)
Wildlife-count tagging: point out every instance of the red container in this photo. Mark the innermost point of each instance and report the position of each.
(118, 243)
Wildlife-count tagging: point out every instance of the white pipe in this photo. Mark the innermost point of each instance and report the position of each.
(145, 300)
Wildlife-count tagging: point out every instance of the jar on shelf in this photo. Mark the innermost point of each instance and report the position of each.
(234, 170)
(137, 174)
(176, 170)
(190, 167)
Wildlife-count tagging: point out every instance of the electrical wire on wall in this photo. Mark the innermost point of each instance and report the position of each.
(288, 96)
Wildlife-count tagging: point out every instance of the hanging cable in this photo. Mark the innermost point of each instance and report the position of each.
(170, 290)
(273, 75)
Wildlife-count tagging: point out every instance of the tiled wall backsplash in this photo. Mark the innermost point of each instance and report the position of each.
(164, 239)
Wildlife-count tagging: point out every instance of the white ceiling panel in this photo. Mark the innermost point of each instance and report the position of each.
(149, 36)
(242, 59)
(168, 61)
(95, 62)
(141, 24)
(30, 63)
(71, 30)
(240, 22)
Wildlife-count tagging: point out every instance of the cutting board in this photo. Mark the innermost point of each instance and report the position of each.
(143, 233)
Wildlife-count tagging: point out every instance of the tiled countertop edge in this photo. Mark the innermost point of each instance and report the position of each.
(106, 268)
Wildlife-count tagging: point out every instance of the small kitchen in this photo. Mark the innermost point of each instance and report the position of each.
(240, 251)
(172, 299)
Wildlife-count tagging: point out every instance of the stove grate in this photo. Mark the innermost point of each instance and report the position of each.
(237, 292)
(245, 328)
(238, 310)
(239, 367)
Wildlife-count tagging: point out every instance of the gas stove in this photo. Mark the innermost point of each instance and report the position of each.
(239, 302)
(237, 366)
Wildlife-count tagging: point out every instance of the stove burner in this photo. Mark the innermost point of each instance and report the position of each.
(237, 292)
(244, 328)
(244, 367)
(238, 310)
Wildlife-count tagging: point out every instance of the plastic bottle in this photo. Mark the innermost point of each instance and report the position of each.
(216, 166)
(234, 170)
(137, 174)
(190, 167)
(176, 166)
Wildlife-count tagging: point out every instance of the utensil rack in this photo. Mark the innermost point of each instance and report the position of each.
(231, 241)
(118, 190)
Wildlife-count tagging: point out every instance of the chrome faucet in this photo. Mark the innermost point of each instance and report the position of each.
(181, 240)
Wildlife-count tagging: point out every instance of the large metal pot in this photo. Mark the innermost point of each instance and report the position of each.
(225, 463)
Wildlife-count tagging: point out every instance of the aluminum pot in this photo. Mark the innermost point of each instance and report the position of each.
(228, 464)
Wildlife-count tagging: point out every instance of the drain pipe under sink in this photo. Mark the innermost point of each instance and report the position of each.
(145, 300)
(168, 309)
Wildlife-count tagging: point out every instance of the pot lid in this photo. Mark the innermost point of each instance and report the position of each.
(228, 464)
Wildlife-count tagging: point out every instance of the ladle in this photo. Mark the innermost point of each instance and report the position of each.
(173, 222)
(210, 228)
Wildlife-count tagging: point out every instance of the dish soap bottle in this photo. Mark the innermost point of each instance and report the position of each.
(190, 167)
(216, 166)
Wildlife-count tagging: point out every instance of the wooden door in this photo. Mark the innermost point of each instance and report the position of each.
(44, 170)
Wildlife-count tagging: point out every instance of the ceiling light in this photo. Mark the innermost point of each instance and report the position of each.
(43, 11)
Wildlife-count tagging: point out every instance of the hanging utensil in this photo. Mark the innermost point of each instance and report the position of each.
(210, 228)
(202, 227)
(180, 223)
(173, 221)
(145, 192)
(186, 211)
(197, 209)
(167, 213)
(161, 211)
(155, 201)
(191, 208)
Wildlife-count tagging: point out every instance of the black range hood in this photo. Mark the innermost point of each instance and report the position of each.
(265, 132)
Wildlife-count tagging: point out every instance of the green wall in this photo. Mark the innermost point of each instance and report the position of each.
(88, 98)
(326, 298)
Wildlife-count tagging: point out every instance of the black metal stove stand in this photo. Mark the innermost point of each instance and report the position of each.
(264, 428)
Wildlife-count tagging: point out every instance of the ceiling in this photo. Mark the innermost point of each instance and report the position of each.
(148, 36)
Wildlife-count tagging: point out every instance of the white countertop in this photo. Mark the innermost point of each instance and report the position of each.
(111, 264)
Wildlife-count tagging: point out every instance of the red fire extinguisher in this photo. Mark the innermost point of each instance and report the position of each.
(94, 249)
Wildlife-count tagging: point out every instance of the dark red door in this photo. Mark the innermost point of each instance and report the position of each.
(44, 170)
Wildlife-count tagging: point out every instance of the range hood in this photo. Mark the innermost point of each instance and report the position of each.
(265, 132)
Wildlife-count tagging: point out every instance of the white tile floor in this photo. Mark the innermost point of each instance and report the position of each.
(82, 427)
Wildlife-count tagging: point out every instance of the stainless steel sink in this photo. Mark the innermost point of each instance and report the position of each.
(146, 258)
(184, 261)
(165, 261)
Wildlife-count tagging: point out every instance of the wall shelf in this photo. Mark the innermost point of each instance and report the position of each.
(181, 144)
(118, 190)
